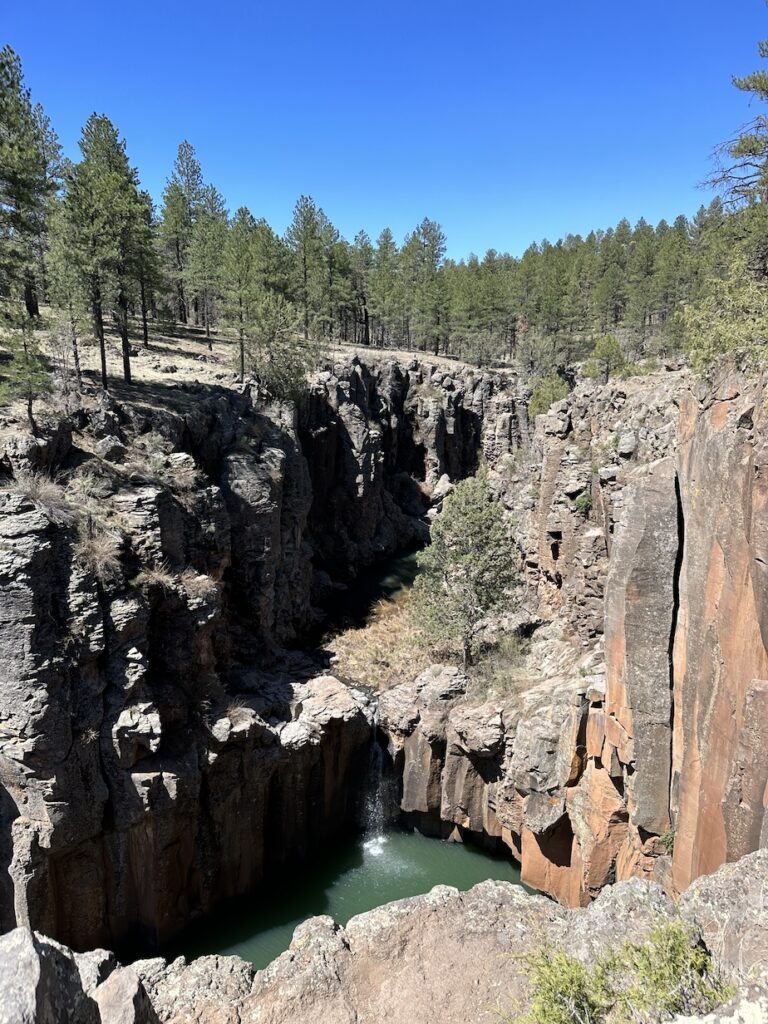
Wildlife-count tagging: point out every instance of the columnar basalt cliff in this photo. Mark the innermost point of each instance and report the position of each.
(161, 746)
(638, 728)
(160, 750)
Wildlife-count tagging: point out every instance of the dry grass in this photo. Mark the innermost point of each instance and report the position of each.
(501, 670)
(239, 710)
(198, 586)
(88, 483)
(45, 493)
(98, 550)
(159, 576)
(386, 651)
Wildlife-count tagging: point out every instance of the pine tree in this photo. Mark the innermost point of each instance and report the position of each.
(103, 230)
(362, 268)
(305, 241)
(383, 299)
(148, 265)
(742, 162)
(467, 572)
(607, 357)
(202, 274)
(67, 291)
(182, 197)
(238, 277)
(273, 352)
(26, 376)
(28, 152)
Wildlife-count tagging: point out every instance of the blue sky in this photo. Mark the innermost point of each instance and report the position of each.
(507, 122)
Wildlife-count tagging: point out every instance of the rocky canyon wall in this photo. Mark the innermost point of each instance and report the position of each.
(632, 740)
(164, 743)
(160, 748)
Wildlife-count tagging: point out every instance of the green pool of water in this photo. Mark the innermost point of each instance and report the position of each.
(358, 876)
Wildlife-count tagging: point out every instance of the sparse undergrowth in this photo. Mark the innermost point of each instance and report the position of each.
(500, 670)
(386, 651)
(98, 550)
(45, 493)
(639, 983)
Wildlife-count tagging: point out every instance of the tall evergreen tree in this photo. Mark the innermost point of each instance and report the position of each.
(28, 152)
(238, 277)
(103, 220)
(383, 300)
(305, 241)
(362, 268)
(182, 197)
(204, 263)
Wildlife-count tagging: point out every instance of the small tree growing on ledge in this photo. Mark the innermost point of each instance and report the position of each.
(467, 572)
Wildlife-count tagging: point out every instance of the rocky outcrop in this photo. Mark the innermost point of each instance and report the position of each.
(443, 957)
(160, 751)
(637, 746)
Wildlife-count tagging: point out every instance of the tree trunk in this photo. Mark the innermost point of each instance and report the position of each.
(180, 298)
(30, 295)
(75, 348)
(144, 326)
(306, 295)
(98, 323)
(122, 327)
(30, 416)
(207, 321)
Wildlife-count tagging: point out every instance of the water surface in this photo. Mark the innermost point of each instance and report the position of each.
(358, 876)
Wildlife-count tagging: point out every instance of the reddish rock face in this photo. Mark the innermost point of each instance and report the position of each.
(720, 751)
(591, 780)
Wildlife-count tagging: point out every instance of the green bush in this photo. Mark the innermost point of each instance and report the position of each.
(550, 389)
(641, 983)
(499, 670)
(583, 503)
(668, 841)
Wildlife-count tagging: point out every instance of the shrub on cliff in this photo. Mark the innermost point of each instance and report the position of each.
(467, 572)
(549, 389)
(640, 983)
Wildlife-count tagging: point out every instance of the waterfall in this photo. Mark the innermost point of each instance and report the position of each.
(377, 804)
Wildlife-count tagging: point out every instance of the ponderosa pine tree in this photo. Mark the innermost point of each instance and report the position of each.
(27, 375)
(202, 274)
(362, 268)
(273, 351)
(742, 162)
(28, 152)
(384, 295)
(239, 284)
(66, 287)
(103, 230)
(467, 572)
(305, 241)
(607, 357)
(182, 197)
